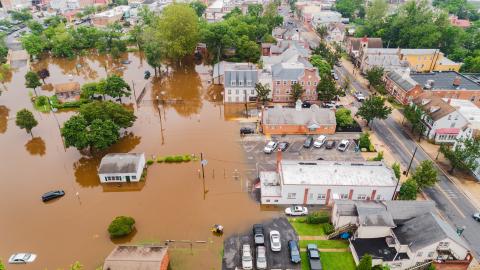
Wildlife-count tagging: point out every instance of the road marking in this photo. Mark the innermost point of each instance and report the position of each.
(401, 144)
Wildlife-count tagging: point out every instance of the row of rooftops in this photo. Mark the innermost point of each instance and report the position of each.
(441, 80)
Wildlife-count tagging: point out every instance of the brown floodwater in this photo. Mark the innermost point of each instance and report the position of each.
(172, 204)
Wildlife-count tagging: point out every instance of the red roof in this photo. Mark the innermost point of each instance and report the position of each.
(448, 131)
(454, 20)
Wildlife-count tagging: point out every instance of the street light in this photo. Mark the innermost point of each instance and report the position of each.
(411, 161)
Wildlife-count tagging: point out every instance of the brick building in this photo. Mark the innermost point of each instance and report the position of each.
(285, 75)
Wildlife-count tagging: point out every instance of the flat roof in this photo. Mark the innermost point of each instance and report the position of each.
(337, 173)
(444, 80)
(135, 258)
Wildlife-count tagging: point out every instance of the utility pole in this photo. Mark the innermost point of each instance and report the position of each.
(411, 161)
(246, 106)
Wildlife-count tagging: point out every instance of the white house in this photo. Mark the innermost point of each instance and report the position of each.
(239, 83)
(121, 167)
(443, 123)
(400, 234)
(336, 32)
(321, 182)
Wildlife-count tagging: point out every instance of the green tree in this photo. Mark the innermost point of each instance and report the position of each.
(255, 10)
(262, 92)
(121, 226)
(102, 134)
(396, 170)
(3, 48)
(108, 111)
(346, 7)
(178, 26)
(364, 141)
(26, 120)
(324, 68)
(76, 266)
(32, 80)
(63, 43)
(2, 267)
(425, 174)
(414, 115)
(322, 31)
(344, 117)
(408, 190)
(43, 74)
(327, 89)
(75, 132)
(154, 49)
(374, 76)
(373, 107)
(248, 50)
(89, 90)
(463, 155)
(365, 262)
(114, 86)
(35, 27)
(199, 7)
(33, 44)
(21, 15)
(296, 92)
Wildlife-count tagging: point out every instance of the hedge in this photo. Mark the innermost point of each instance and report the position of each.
(121, 226)
(317, 218)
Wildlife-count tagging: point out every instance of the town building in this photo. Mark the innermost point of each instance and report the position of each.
(314, 120)
(449, 84)
(428, 60)
(15, 4)
(18, 58)
(353, 46)
(388, 59)
(455, 21)
(336, 32)
(322, 182)
(110, 16)
(400, 234)
(135, 257)
(323, 18)
(285, 75)
(239, 83)
(67, 91)
(121, 167)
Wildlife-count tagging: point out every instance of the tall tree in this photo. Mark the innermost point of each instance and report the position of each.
(255, 10)
(34, 44)
(463, 155)
(414, 116)
(327, 89)
(107, 111)
(322, 31)
(199, 7)
(32, 80)
(114, 86)
(89, 90)
(22, 15)
(75, 132)
(324, 68)
(374, 107)
(425, 174)
(408, 190)
(262, 92)
(374, 76)
(25, 120)
(344, 117)
(102, 134)
(296, 92)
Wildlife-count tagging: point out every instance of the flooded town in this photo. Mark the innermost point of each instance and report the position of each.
(239, 135)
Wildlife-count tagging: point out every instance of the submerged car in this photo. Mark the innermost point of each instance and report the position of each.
(294, 251)
(246, 130)
(52, 195)
(247, 259)
(275, 244)
(296, 211)
(21, 258)
(261, 257)
(270, 147)
(343, 145)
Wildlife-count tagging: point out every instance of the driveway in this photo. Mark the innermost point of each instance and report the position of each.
(275, 260)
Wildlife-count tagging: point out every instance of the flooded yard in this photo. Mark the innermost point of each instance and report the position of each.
(172, 204)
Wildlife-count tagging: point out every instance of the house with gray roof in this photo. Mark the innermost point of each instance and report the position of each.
(239, 83)
(401, 234)
(286, 75)
(121, 167)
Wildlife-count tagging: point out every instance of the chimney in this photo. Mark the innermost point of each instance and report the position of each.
(457, 81)
(279, 158)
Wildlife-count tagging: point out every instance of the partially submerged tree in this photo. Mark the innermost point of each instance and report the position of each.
(32, 80)
(121, 226)
(114, 86)
(108, 110)
(26, 120)
(43, 74)
(372, 108)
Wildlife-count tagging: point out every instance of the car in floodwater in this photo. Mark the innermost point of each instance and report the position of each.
(22, 258)
(48, 196)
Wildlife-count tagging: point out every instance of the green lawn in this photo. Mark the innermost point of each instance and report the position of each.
(331, 261)
(303, 228)
(325, 243)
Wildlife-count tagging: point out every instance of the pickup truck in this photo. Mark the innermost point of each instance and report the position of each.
(314, 257)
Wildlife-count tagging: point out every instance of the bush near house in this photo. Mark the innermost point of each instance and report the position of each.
(328, 228)
(176, 159)
(317, 218)
(121, 226)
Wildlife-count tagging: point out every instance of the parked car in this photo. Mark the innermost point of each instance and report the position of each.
(258, 235)
(275, 243)
(261, 257)
(319, 141)
(359, 96)
(246, 130)
(294, 251)
(314, 257)
(21, 258)
(270, 147)
(308, 142)
(335, 76)
(247, 259)
(343, 145)
(306, 104)
(283, 146)
(296, 211)
(329, 104)
(476, 216)
(329, 144)
(52, 195)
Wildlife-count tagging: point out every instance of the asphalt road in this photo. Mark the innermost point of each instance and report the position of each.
(451, 202)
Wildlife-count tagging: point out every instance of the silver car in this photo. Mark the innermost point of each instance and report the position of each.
(261, 257)
(247, 259)
(22, 258)
(275, 243)
(270, 147)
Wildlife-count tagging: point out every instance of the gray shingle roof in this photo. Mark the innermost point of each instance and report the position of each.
(433, 105)
(444, 80)
(304, 116)
(426, 230)
(405, 82)
(120, 163)
(374, 214)
(405, 210)
(242, 76)
(287, 71)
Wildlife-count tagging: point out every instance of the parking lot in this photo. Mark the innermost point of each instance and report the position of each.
(275, 260)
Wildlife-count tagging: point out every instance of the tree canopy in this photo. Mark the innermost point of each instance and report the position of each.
(108, 111)
(374, 107)
(25, 120)
(463, 155)
(327, 89)
(262, 92)
(199, 7)
(365, 262)
(32, 80)
(296, 92)
(408, 190)
(344, 117)
(425, 174)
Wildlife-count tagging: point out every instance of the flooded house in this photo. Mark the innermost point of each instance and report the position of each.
(151, 257)
(121, 167)
(67, 91)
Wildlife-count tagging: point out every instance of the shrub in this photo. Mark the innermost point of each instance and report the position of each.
(149, 162)
(371, 148)
(187, 158)
(379, 156)
(328, 228)
(160, 159)
(41, 101)
(121, 226)
(364, 141)
(317, 218)
(178, 159)
(408, 190)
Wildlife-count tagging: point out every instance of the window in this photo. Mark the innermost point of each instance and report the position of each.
(275, 200)
(443, 245)
(284, 82)
(252, 92)
(315, 83)
(278, 82)
(361, 197)
(379, 197)
(249, 83)
(291, 195)
(452, 125)
(321, 197)
(134, 177)
(268, 200)
(229, 91)
(118, 178)
(236, 91)
(450, 117)
(344, 196)
(472, 99)
(309, 83)
(240, 83)
(303, 83)
(233, 83)
(277, 91)
(456, 117)
(294, 82)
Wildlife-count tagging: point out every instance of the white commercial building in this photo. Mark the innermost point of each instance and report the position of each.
(121, 167)
(321, 182)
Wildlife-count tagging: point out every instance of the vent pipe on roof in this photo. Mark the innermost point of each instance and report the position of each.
(457, 81)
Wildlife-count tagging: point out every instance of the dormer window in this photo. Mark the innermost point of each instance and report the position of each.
(240, 83)
(233, 83)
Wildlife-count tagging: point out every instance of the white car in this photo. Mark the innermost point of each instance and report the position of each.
(343, 145)
(247, 259)
(296, 211)
(319, 141)
(21, 258)
(476, 216)
(261, 257)
(359, 96)
(275, 244)
(270, 147)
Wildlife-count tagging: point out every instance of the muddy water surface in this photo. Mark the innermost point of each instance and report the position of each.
(173, 203)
